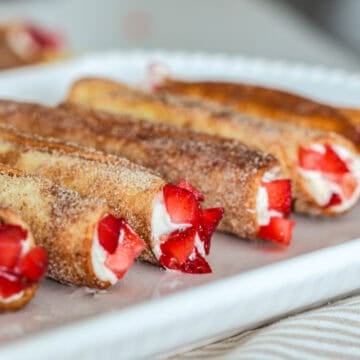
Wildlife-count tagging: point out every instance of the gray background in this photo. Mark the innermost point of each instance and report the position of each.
(265, 28)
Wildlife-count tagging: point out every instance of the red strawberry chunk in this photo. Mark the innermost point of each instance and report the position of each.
(279, 195)
(179, 245)
(120, 261)
(34, 264)
(127, 250)
(328, 162)
(348, 184)
(278, 230)
(187, 186)
(13, 232)
(9, 253)
(131, 239)
(181, 205)
(208, 222)
(10, 285)
(10, 245)
(44, 38)
(197, 265)
(334, 200)
(108, 232)
(168, 262)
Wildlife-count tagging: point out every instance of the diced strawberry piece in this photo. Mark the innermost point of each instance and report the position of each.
(310, 159)
(10, 285)
(10, 251)
(348, 184)
(328, 162)
(168, 262)
(279, 195)
(127, 250)
(10, 244)
(334, 200)
(34, 264)
(108, 232)
(131, 239)
(278, 230)
(12, 232)
(179, 244)
(208, 221)
(181, 205)
(187, 186)
(120, 261)
(44, 38)
(333, 162)
(197, 265)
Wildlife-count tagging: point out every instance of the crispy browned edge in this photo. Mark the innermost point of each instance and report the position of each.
(203, 116)
(9, 217)
(25, 141)
(69, 254)
(268, 103)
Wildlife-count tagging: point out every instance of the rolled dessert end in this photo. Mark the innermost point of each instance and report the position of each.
(181, 229)
(273, 206)
(86, 246)
(115, 247)
(22, 264)
(331, 176)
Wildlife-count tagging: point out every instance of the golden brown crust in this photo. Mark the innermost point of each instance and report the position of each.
(227, 172)
(89, 88)
(354, 117)
(280, 139)
(62, 221)
(8, 58)
(270, 104)
(129, 189)
(9, 217)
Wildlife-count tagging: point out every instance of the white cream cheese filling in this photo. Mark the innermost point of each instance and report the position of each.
(322, 188)
(161, 225)
(263, 213)
(98, 258)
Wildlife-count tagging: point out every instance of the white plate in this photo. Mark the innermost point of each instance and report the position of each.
(152, 312)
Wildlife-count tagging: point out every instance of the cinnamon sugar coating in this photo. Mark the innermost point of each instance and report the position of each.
(278, 138)
(62, 222)
(129, 189)
(267, 103)
(227, 172)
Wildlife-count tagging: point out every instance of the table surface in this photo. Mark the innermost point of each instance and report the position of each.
(328, 332)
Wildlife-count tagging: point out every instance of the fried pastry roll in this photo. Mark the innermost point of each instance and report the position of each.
(168, 217)
(74, 230)
(247, 183)
(324, 167)
(269, 104)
